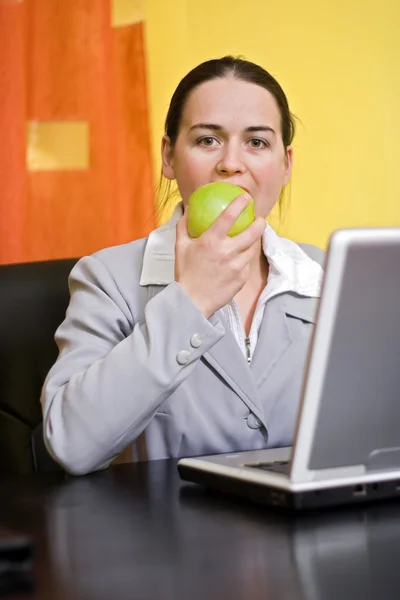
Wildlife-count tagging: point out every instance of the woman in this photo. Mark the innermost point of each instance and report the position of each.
(192, 346)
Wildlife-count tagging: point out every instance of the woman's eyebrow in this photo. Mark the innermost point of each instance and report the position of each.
(207, 126)
(260, 128)
(215, 127)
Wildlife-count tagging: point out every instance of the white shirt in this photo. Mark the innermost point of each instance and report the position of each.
(290, 270)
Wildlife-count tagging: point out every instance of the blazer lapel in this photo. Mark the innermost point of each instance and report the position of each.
(275, 337)
(227, 359)
(273, 340)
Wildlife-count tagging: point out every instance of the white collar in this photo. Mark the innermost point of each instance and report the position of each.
(289, 264)
(287, 260)
(159, 255)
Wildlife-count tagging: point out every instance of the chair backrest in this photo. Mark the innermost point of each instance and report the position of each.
(33, 301)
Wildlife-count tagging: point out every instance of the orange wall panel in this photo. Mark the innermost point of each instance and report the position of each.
(77, 68)
(135, 209)
(12, 127)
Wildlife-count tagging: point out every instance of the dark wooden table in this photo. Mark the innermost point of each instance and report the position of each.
(137, 532)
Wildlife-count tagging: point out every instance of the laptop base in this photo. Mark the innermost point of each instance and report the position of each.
(272, 496)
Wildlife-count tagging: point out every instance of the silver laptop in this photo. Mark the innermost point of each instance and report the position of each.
(347, 439)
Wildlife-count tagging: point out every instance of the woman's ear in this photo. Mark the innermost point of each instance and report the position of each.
(167, 158)
(289, 165)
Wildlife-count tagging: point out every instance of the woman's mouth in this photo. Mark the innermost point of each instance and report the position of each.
(245, 189)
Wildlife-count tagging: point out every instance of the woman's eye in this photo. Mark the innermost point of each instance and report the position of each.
(258, 143)
(207, 141)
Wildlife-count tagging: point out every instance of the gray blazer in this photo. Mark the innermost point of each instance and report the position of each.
(138, 362)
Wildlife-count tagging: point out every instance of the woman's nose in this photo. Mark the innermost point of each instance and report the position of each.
(231, 161)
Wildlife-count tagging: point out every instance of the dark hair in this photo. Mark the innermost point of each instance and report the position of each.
(218, 68)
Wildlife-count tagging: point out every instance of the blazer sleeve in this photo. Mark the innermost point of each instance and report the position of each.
(112, 373)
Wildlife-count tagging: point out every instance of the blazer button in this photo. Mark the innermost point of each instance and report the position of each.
(253, 422)
(195, 340)
(182, 358)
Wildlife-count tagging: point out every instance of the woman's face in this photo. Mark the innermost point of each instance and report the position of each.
(230, 131)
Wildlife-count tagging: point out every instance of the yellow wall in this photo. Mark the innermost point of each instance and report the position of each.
(338, 63)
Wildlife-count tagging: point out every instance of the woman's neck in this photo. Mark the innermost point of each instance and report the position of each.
(259, 269)
(248, 296)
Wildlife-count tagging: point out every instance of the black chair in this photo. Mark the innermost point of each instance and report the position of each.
(33, 301)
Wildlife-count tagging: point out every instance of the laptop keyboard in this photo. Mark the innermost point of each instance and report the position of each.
(277, 466)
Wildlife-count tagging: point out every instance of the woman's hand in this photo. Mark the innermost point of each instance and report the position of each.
(214, 267)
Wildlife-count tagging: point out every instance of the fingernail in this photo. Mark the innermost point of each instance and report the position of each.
(247, 196)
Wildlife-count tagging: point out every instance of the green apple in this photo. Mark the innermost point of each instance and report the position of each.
(207, 203)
